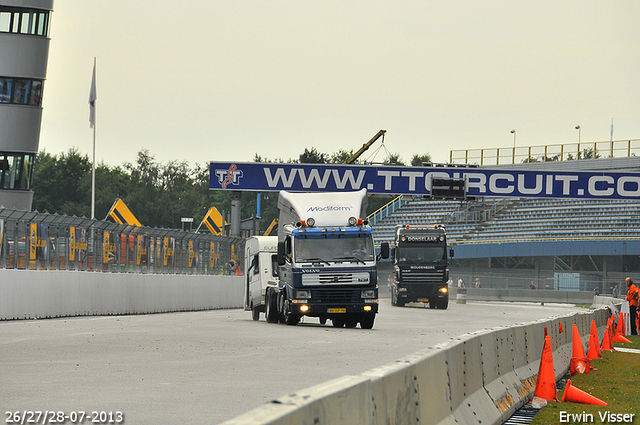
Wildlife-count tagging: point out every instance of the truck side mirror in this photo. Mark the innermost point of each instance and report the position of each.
(451, 252)
(392, 254)
(384, 250)
(281, 254)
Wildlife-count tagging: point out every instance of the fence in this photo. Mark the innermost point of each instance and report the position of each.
(387, 209)
(41, 241)
(544, 153)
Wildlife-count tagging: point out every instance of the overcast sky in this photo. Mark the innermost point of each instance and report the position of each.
(200, 81)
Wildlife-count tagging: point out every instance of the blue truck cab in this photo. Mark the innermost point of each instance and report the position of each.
(326, 261)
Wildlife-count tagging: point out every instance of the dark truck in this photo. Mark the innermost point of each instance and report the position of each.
(421, 266)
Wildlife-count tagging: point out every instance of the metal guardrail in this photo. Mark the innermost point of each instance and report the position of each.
(42, 241)
(553, 239)
(387, 209)
(546, 153)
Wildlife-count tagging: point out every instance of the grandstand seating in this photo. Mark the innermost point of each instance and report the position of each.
(503, 220)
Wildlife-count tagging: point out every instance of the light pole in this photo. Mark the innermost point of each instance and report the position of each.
(579, 137)
(514, 146)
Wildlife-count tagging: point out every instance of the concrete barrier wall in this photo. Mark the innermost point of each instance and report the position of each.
(30, 294)
(527, 295)
(481, 377)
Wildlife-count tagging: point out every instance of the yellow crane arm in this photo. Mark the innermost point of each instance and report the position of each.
(364, 147)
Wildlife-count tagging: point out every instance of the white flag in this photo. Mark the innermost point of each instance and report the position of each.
(92, 97)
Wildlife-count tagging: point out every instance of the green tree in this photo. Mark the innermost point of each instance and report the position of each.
(313, 157)
(57, 183)
(417, 160)
(393, 159)
(341, 156)
(111, 184)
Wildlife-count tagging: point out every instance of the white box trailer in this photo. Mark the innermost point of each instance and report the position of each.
(260, 272)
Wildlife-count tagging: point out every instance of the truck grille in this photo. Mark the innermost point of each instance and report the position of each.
(336, 295)
(422, 276)
(316, 279)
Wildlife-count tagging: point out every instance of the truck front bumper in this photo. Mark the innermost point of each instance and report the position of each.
(322, 309)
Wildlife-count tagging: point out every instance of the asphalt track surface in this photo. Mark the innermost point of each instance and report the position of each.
(207, 367)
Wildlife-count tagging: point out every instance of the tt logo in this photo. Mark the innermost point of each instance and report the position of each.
(230, 176)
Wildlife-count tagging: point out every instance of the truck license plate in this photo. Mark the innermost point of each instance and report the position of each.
(423, 300)
(336, 310)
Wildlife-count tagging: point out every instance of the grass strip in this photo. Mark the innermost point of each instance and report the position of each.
(616, 381)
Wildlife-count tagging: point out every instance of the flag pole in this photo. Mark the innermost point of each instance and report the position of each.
(93, 177)
(92, 120)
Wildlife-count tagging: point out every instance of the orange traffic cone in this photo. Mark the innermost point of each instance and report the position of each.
(620, 327)
(594, 348)
(606, 341)
(611, 332)
(576, 395)
(579, 362)
(596, 345)
(546, 385)
(578, 348)
(620, 338)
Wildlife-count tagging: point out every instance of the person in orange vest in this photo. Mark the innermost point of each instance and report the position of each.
(632, 297)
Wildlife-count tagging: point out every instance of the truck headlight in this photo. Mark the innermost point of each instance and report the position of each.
(402, 289)
(368, 293)
(303, 294)
(444, 290)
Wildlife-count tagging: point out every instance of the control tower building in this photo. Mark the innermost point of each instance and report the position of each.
(24, 50)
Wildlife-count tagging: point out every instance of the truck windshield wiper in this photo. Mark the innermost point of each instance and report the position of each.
(352, 257)
(314, 260)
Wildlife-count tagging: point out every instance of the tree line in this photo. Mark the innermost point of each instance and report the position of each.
(159, 195)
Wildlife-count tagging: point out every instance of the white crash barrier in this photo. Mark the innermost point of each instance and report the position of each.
(31, 294)
(481, 377)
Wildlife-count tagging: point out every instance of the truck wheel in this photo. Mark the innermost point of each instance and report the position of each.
(400, 303)
(351, 323)
(272, 310)
(338, 323)
(291, 319)
(367, 322)
(443, 304)
(434, 303)
(323, 320)
(255, 313)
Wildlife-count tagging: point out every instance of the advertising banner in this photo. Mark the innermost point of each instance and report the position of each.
(109, 253)
(81, 245)
(193, 255)
(72, 244)
(142, 249)
(169, 247)
(396, 180)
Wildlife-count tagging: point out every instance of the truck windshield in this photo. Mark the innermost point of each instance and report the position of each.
(346, 249)
(421, 253)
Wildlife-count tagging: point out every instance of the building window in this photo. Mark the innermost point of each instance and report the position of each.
(21, 91)
(24, 21)
(16, 171)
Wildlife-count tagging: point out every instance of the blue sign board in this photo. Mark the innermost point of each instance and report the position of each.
(395, 180)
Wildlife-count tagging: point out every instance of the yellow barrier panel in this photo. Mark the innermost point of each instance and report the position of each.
(214, 221)
(122, 214)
